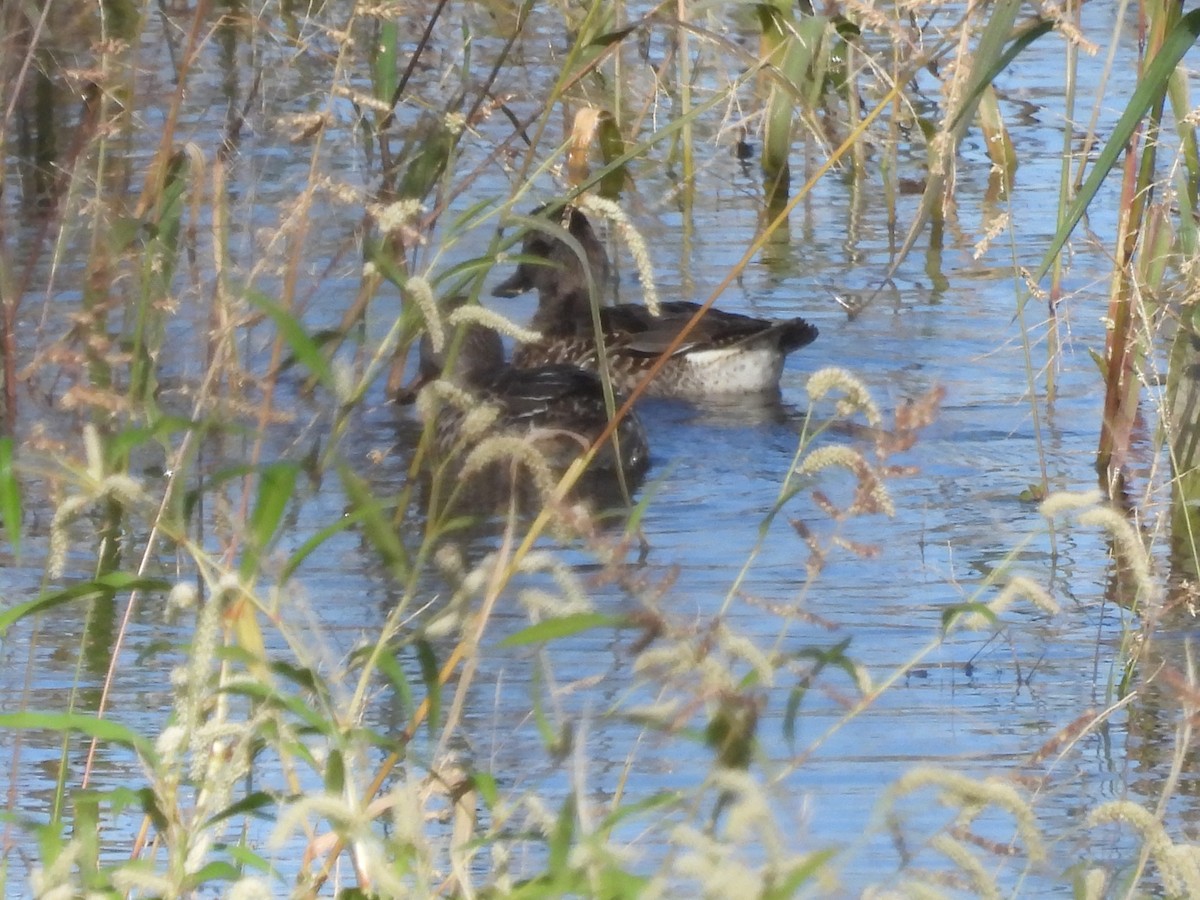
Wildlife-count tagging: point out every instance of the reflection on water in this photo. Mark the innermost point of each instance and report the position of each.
(986, 703)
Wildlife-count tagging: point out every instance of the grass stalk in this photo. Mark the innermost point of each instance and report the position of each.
(349, 752)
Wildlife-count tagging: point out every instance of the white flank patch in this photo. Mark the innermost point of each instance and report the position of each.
(733, 370)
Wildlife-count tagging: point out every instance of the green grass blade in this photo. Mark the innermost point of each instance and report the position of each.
(105, 586)
(433, 685)
(100, 729)
(377, 527)
(304, 349)
(383, 63)
(560, 627)
(275, 486)
(389, 664)
(1149, 89)
(10, 497)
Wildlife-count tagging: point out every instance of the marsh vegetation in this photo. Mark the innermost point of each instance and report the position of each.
(919, 624)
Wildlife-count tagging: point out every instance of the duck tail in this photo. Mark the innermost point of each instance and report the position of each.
(796, 333)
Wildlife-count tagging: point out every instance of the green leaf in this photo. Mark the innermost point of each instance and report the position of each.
(616, 882)
(798, 876)
(248, 859)
(10, 497)
(612, 37)
(100, 729)
(106, 585)
(1150, 87)
(251, 804)
(335, 773)
(951, 613)
(561, 839)
(378, 528)
(433, 685)
(486, 785)
(654, 802)
(390, 666)
(310, 546)
(86, 829)
(563, 626)
(383, 63)
(217, 870)
(118, 447)
(276, 485)
(305, 350)
(297, 706)
(795, 697)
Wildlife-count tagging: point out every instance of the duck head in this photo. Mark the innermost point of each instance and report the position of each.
(555, 267)
(480, 354)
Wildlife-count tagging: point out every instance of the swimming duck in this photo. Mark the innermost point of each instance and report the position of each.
(558, 408)
(725, 355)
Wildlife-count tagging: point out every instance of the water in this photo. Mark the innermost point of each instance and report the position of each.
(989, 704)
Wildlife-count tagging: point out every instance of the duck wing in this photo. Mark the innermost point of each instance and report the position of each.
(545, 391)
(635, 330)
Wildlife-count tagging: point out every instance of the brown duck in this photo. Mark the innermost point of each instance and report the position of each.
(724, 356)
(560, 409)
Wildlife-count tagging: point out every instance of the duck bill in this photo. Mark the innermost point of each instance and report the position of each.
(514, 285)
(406, 396)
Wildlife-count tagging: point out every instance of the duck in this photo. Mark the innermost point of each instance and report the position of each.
(725, 356)
(558, 408)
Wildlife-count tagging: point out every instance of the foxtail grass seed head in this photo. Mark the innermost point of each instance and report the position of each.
(183, 596)
(538, 816)
(564, 576)
(60, 533)
(856, 397)
(1094, 883)
(982, 884)
(634, 240)
(366, 101)
(749, 817)
(408, 822)
(1128, 544)
(419, 291)
(197, 856)
(832, 455)
(474, 314)
(343, 380)
(197, 688)
(93, 452)
(143, 882)
(294, 817)
(870, 495)
(455, 122)
(503, 448)
(169, 746)
(1065, 502)
(251, 888)
(1064, 25)
(449, 560)
(662, 714)
(996, 227)
(713, 864)
(740, 647)
(476, 580)
(55, 880)
(1177, 863)
(441, 393)
(539, 603)
(1019, 587)
(964, 792)
(478, 422)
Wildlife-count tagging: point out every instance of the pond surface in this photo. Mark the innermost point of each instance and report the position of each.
(995, 703)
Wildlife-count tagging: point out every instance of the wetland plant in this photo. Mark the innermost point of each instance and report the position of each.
(226, 227)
